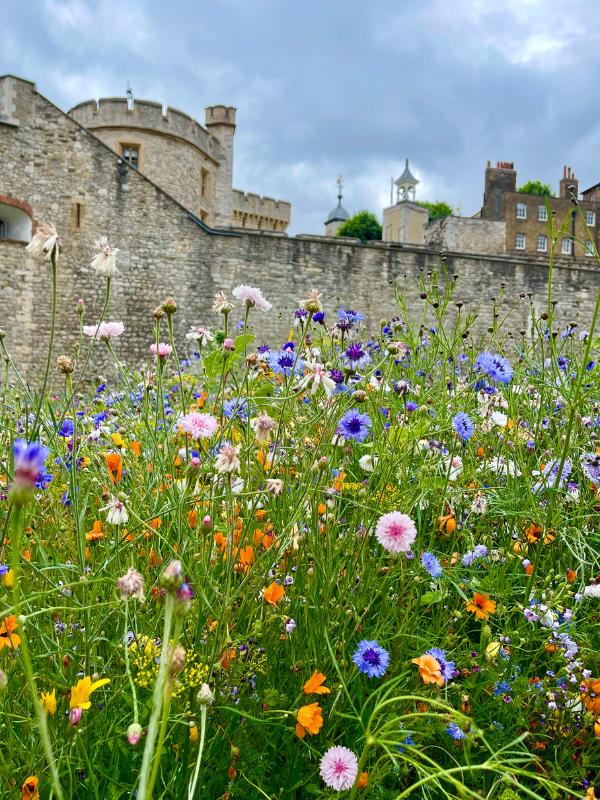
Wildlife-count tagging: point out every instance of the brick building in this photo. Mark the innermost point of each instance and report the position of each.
(527, 216)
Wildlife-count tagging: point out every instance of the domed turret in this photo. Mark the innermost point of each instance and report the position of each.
(338, 215)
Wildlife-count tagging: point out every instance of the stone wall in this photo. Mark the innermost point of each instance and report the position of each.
(467, 235)
(49, 161)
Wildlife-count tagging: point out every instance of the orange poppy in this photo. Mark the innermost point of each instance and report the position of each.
(96, 533)
(29, 789)
(430, 669)
(245, 557)
(481, 605)
(592, 696)
(314, 685)
(8, 637)
(447, 523)
(273, 593)
(363, 780)
(114, 464)
(309, 719)
(136, 447)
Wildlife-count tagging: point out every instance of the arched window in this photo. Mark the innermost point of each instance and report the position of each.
(15, 223)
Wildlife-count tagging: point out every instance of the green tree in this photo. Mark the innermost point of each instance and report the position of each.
(437, 210)
(364, 226)
(537, 187)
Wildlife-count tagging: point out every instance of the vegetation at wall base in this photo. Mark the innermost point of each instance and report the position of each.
(361, 562)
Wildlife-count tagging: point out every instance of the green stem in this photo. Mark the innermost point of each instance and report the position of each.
(194, 781)
(53, 258)
(128, 665)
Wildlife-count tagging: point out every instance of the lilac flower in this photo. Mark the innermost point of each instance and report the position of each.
(354, 425)
(347, 319)
(480, 551)
(550, 472)
(590, 464)
(67, 428)
(431, 564)
(355, 356)
(463, 425)
(371, 659)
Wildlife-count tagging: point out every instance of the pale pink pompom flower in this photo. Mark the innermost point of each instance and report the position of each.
(105, 260)
(339, 768)
(45, 242)
(131, 585)
(251, 296)
(396, 532)
(228, 459)
(104, 331)
(161, 350)
(199, 426)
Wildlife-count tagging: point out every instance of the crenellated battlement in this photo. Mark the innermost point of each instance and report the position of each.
(250, 203)
(119, 112)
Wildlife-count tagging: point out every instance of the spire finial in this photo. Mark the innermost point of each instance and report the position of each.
(129, 94)
(340, 186)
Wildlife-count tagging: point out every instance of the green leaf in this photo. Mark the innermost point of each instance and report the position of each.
(429, 598)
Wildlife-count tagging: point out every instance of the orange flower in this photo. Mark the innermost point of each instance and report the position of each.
(273, 593)
(571, 575)
(96, 533)
(534, 534)
(8, 637)
(245, 557)
(309, 719)
(481, 605)
(592, 696)
(29, 789)
(220, 541)
(114, 464)
(192, 518)
(136, 447)
(314, 685)
(363, 780)
(447, 523)
(430, 669)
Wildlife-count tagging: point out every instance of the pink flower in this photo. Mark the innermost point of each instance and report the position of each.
(104, 331)
(75, 716)
(134, 733)
(199, 426)
(228, 344)
(251, 297)
(228, 459)
(396, 532)
(131, 585)
(263, 425)
(339, 768)
(161, 350)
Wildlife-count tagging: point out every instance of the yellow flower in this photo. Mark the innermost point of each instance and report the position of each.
(80, 693)
(48, 700)
(8, 579)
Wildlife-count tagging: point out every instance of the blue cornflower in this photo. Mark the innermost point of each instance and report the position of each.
(496, 367)
(411, 405)
(371, 659)
(67, 428)
(44, 478)
(282, 362)
(431, 564)
(590, 464)
(455, 732)
(236, 408)
(447, 667)
(480, 551)
(463, 425)
(319, 317)
(348, 318)
(29, 458)
(355, 356)
(354, 425)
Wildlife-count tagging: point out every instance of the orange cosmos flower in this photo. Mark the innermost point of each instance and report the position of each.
(29, 789)
(430, 669)
(220, 541)
(309, 719)
(481, 605)
(571, 575)
(96, 533)
(8, 637)
(273, 594)
(314, 685)
(114, 464)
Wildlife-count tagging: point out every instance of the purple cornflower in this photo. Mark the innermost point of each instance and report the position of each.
(447, 667)
(282, 362)
(67, 428)
(463, 425)
(431, 564)
(29, 458)
(336, 375)
(355, 356)
(411, 405)
(590, 464)
(496, 367)
(347, 319)
(455, 732)
(371, 659)
(550, 472)
(354, 425)
(480, 551)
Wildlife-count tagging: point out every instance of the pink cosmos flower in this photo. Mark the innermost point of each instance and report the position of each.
(339, 768)
(251, 296)
(396, 532)
(104, 331)
(161, 350)
(199, 426)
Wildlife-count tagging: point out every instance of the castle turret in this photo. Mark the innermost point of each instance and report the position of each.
(220, 121)
(338, 215)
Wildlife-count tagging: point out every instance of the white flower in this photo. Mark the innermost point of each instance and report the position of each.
(221, 304)
(593, 590)
(274, 486)
(104, 331)
(251, 296)
(315, 377)
(228, 459)
(263, 425)
(368, 462)
(105, 261)
(500, 419)
(479, 504)
(200, 334)
(453, 467)
(44, 243)
(117, 513)
(205, 697)
(503, 467)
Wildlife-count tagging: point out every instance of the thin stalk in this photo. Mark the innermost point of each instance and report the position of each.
(53, 262)
(194, 781)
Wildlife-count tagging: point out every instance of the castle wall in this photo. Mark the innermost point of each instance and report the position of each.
(467, 235)
(51, 163)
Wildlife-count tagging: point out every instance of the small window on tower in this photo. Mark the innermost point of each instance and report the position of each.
(77, 215)
(2, 229)
(204, 182)
(131, 154)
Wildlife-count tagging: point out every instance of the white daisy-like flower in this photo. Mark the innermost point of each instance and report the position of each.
(105, 261)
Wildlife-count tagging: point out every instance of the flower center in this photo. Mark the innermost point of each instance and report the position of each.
(371, 656)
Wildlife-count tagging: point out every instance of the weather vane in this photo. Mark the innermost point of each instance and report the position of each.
(340, 185)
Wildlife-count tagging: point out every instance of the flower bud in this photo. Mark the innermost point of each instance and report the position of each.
(177, 660)
(75, 717)
(172, 576)
(158, 312)
(169, 306)
(205, 697)
(228, 345)
(134, 733)
(65, 365)
(3, 680)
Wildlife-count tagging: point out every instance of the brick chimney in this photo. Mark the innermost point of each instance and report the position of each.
(498, 180)
(568, 179)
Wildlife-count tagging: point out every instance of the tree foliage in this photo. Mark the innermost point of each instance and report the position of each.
(437, 210)
(537, 187)
(364, 226)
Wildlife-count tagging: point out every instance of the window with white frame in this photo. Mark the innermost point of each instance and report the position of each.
(566, 247)
(590, 218)
(542, 244)
(589, 248)
(520, 241)
(521, 211)
(542, 214)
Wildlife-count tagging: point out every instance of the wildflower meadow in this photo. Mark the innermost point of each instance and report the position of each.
(359, 562)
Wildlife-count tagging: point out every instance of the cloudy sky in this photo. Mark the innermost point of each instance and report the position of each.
(353, 86)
